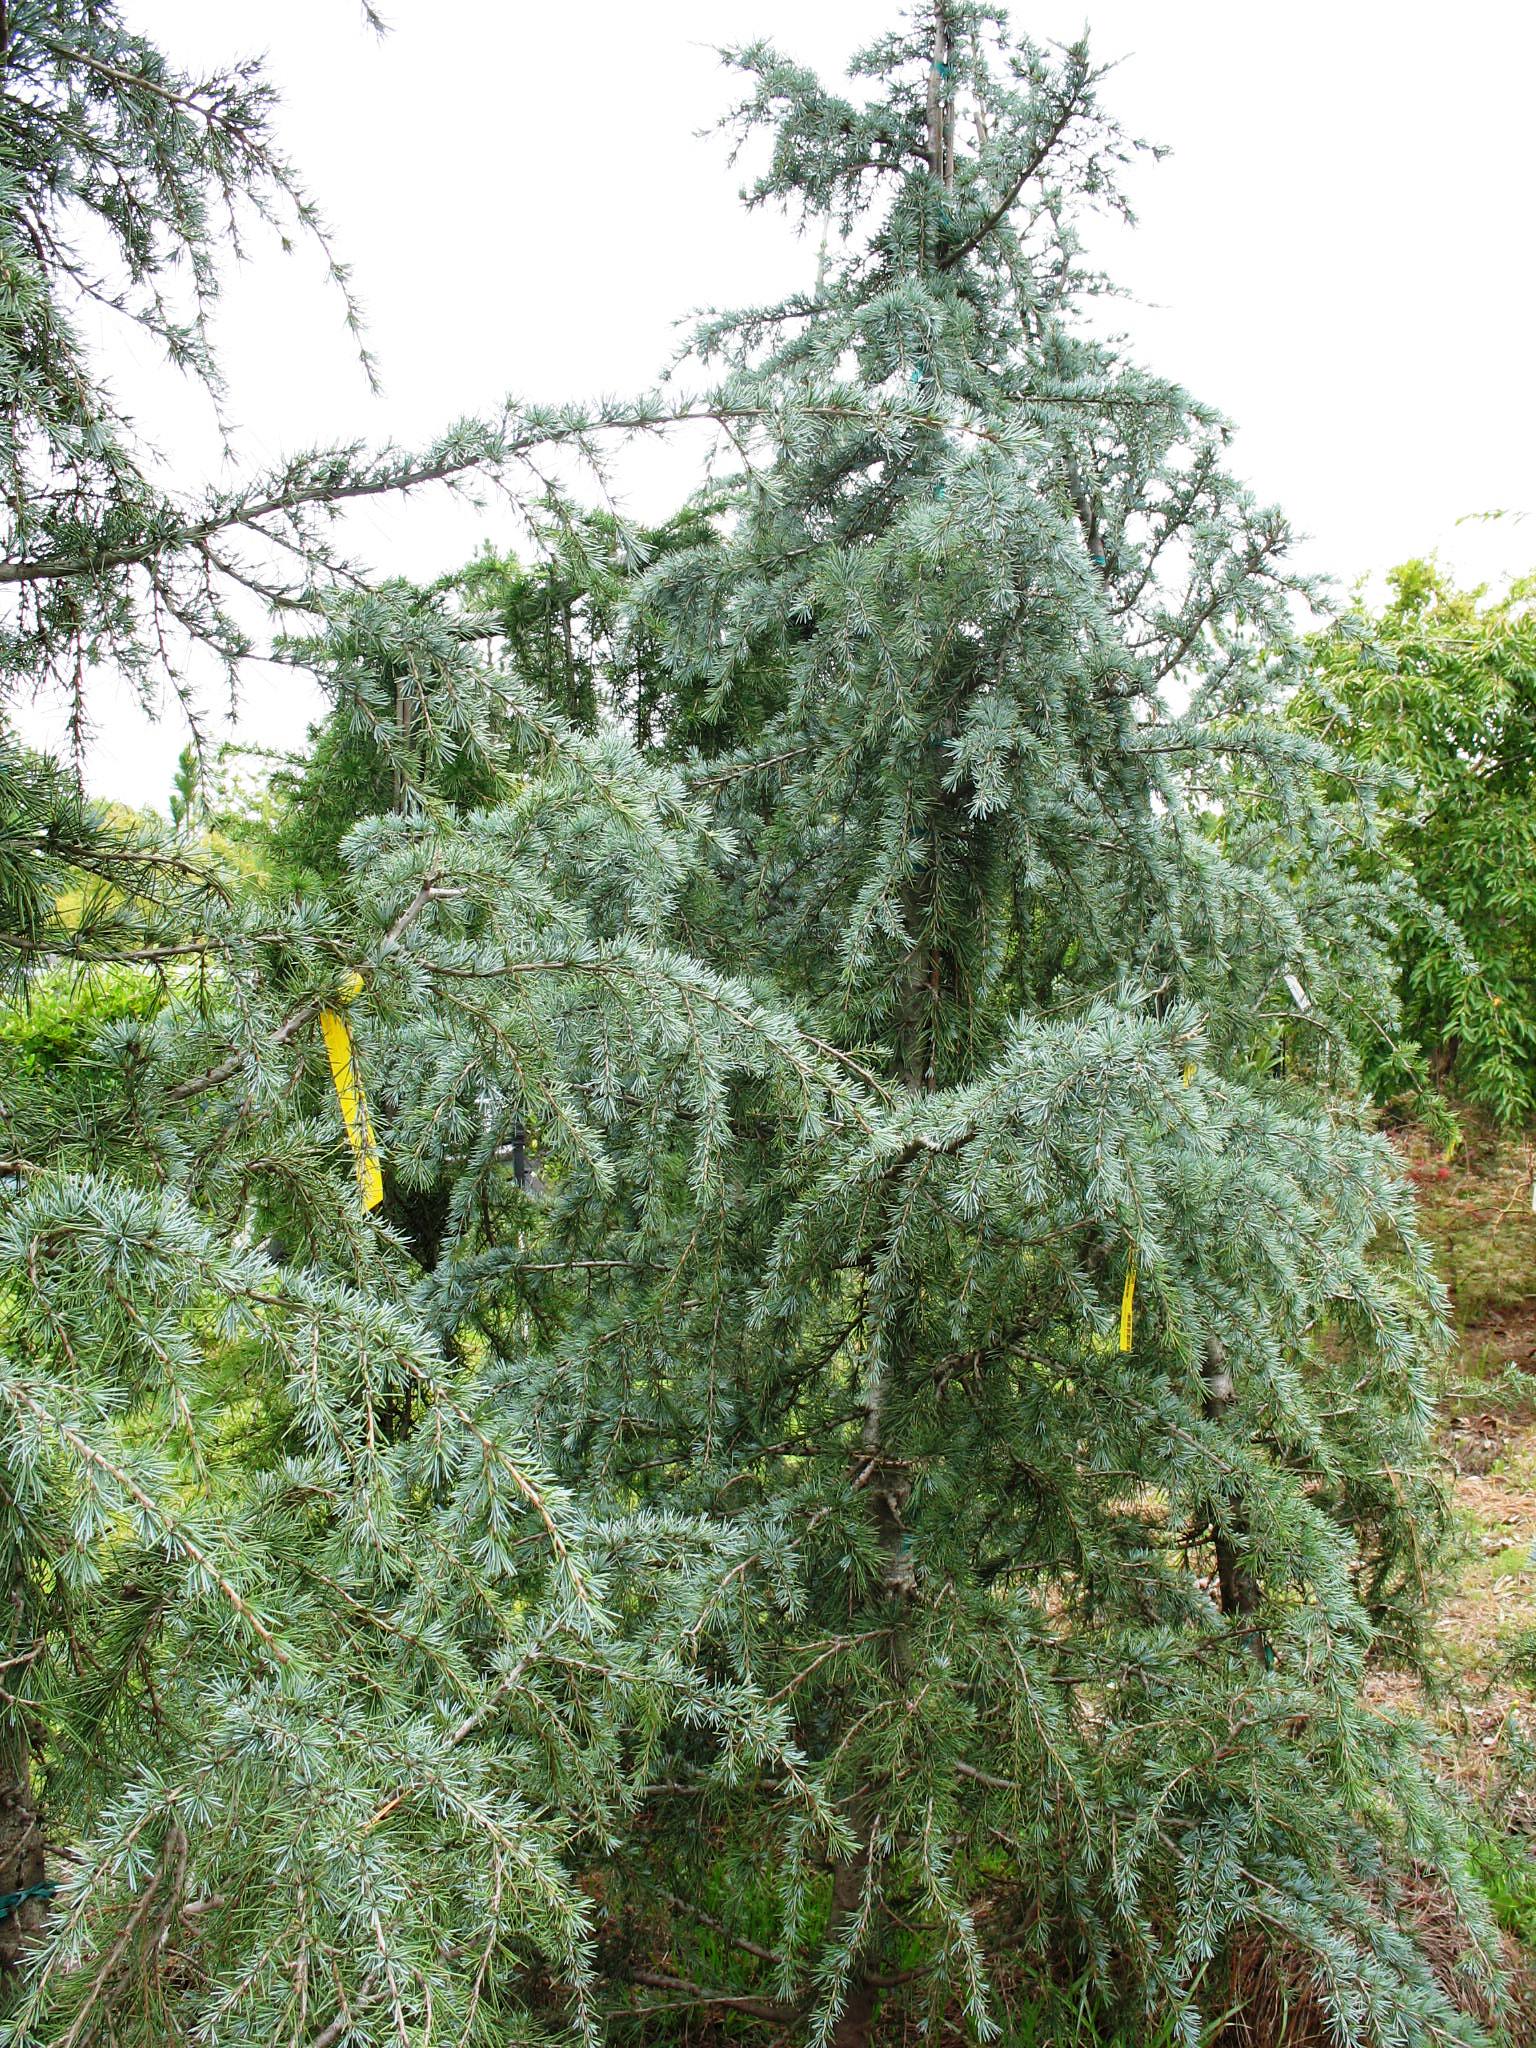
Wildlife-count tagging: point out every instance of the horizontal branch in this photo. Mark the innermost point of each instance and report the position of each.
(385, 479)
(756, 2008)
(215, 1076)
(93, 561)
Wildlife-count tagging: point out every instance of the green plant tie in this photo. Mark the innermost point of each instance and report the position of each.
(9, 1901)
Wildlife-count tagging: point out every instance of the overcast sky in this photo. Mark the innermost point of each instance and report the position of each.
(1337, 252)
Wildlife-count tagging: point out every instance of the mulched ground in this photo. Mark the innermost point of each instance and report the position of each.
(1476, 1208)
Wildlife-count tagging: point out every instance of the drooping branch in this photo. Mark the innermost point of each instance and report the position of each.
(305, 1013)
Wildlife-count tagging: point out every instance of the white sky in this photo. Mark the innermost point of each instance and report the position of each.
(1336, 253)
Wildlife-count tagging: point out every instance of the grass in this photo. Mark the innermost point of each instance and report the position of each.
(1065, 2025)
(1506, 1870)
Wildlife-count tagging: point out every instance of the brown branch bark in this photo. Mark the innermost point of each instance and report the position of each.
(21, 1845)
(294, 1022)
(756, 2008)
(1237, 1584)
(1005, 205)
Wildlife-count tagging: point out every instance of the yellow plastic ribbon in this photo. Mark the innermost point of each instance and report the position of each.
(342, 1054)
(1128, 1301)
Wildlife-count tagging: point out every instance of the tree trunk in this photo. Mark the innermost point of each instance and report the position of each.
(21, 1845)
(887, 1487)
(886, 1482)
(1237, 1586)
(857, 2015)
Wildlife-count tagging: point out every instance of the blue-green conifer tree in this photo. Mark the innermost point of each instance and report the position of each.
(1093, 1386)
(892, 1507)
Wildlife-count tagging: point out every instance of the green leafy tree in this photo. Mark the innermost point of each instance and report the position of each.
(1437, 690)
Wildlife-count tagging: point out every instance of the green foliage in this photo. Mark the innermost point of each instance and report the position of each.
(62, 1016)
(298, 1624)
(1437, 691)
(1075, 2015)
(124, 179)
(938, 645)
(1506, 1870)
(362, 1580)
(571, 622)
(85, 881)
(413, 726)
(125, 183)
(186, 789)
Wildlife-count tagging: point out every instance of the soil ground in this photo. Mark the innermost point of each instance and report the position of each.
(1476, 1207)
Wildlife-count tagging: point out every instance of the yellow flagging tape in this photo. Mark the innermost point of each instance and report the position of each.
(1128, 1301)
(342, 1054)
